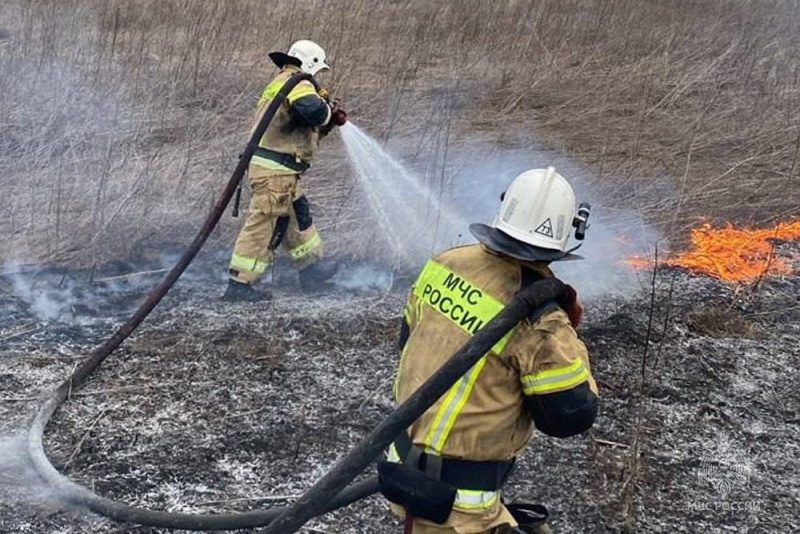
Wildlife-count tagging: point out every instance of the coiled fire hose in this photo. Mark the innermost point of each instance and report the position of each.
(330, 492)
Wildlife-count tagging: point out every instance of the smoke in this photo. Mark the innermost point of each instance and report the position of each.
(19, 482)
(80, 296)
(421, 215)
(46, 300)
(363, 277)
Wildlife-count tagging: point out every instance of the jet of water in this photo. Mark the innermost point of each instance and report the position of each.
(414, 220)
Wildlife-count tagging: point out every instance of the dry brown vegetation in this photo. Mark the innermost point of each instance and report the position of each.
(121, 119)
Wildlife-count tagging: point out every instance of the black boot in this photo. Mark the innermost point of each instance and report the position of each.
(532, 518)
(239, 292)
(313, 277)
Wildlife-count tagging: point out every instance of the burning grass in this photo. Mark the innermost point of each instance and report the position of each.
(731, 254)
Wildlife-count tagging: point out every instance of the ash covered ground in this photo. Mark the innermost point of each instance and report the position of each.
(219, 407)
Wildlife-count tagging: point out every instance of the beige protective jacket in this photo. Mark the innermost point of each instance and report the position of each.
(286, 133)
(483, 416)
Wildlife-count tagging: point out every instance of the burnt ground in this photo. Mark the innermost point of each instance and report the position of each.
(218, 407)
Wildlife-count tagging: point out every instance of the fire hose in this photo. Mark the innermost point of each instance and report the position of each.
(331, 491)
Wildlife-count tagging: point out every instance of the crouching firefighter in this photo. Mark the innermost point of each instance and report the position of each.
(279, 212)
(446, 474)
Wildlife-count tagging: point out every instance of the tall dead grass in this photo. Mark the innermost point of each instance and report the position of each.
(121, 119)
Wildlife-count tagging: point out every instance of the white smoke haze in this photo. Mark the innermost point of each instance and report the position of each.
(19, 481)
(417, 221)
(79, 297)
(47, 301)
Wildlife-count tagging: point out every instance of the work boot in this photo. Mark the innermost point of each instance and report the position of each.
(239, 292)
(313, 277)
(532, 518)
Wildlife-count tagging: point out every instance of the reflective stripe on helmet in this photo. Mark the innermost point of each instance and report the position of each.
(558, 379)
(538, 208)
(311, 56)
(252, 265)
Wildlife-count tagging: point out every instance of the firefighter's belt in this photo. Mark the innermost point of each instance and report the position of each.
(463, 474)
(287, 160)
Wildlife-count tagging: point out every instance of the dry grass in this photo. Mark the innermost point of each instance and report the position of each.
(121, 119)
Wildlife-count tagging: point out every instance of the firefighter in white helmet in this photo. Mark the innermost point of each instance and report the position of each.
(463, 447)
(279, 212)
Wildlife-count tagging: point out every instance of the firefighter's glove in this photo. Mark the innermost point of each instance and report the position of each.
(541, 292)
(572, 305)
(338, 113)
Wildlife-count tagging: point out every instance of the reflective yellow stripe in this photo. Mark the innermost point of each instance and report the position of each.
(304, 249)
(269, 164)
(392, 455)
(252, 265)
(466, 499)
(466, 305)
(475, 499)
(272, 89)
(452, 405)
(300, 91)
(557, 379)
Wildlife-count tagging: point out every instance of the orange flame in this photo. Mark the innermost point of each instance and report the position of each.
(732, 254)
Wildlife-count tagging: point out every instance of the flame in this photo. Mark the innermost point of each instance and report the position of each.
(732, 254)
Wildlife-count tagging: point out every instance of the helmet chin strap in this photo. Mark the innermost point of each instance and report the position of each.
(570, 251)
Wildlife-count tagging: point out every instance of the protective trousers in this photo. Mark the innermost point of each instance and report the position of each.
(496, 520)
(427, 528)
(419, 528)
(279, 214)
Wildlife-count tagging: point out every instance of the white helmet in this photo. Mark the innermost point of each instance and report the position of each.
(537, 214)
(311, 56)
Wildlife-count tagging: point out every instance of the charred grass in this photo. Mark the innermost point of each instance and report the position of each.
(214, 407)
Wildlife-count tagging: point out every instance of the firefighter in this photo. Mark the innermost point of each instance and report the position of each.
(279, 212)
(462, 448)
